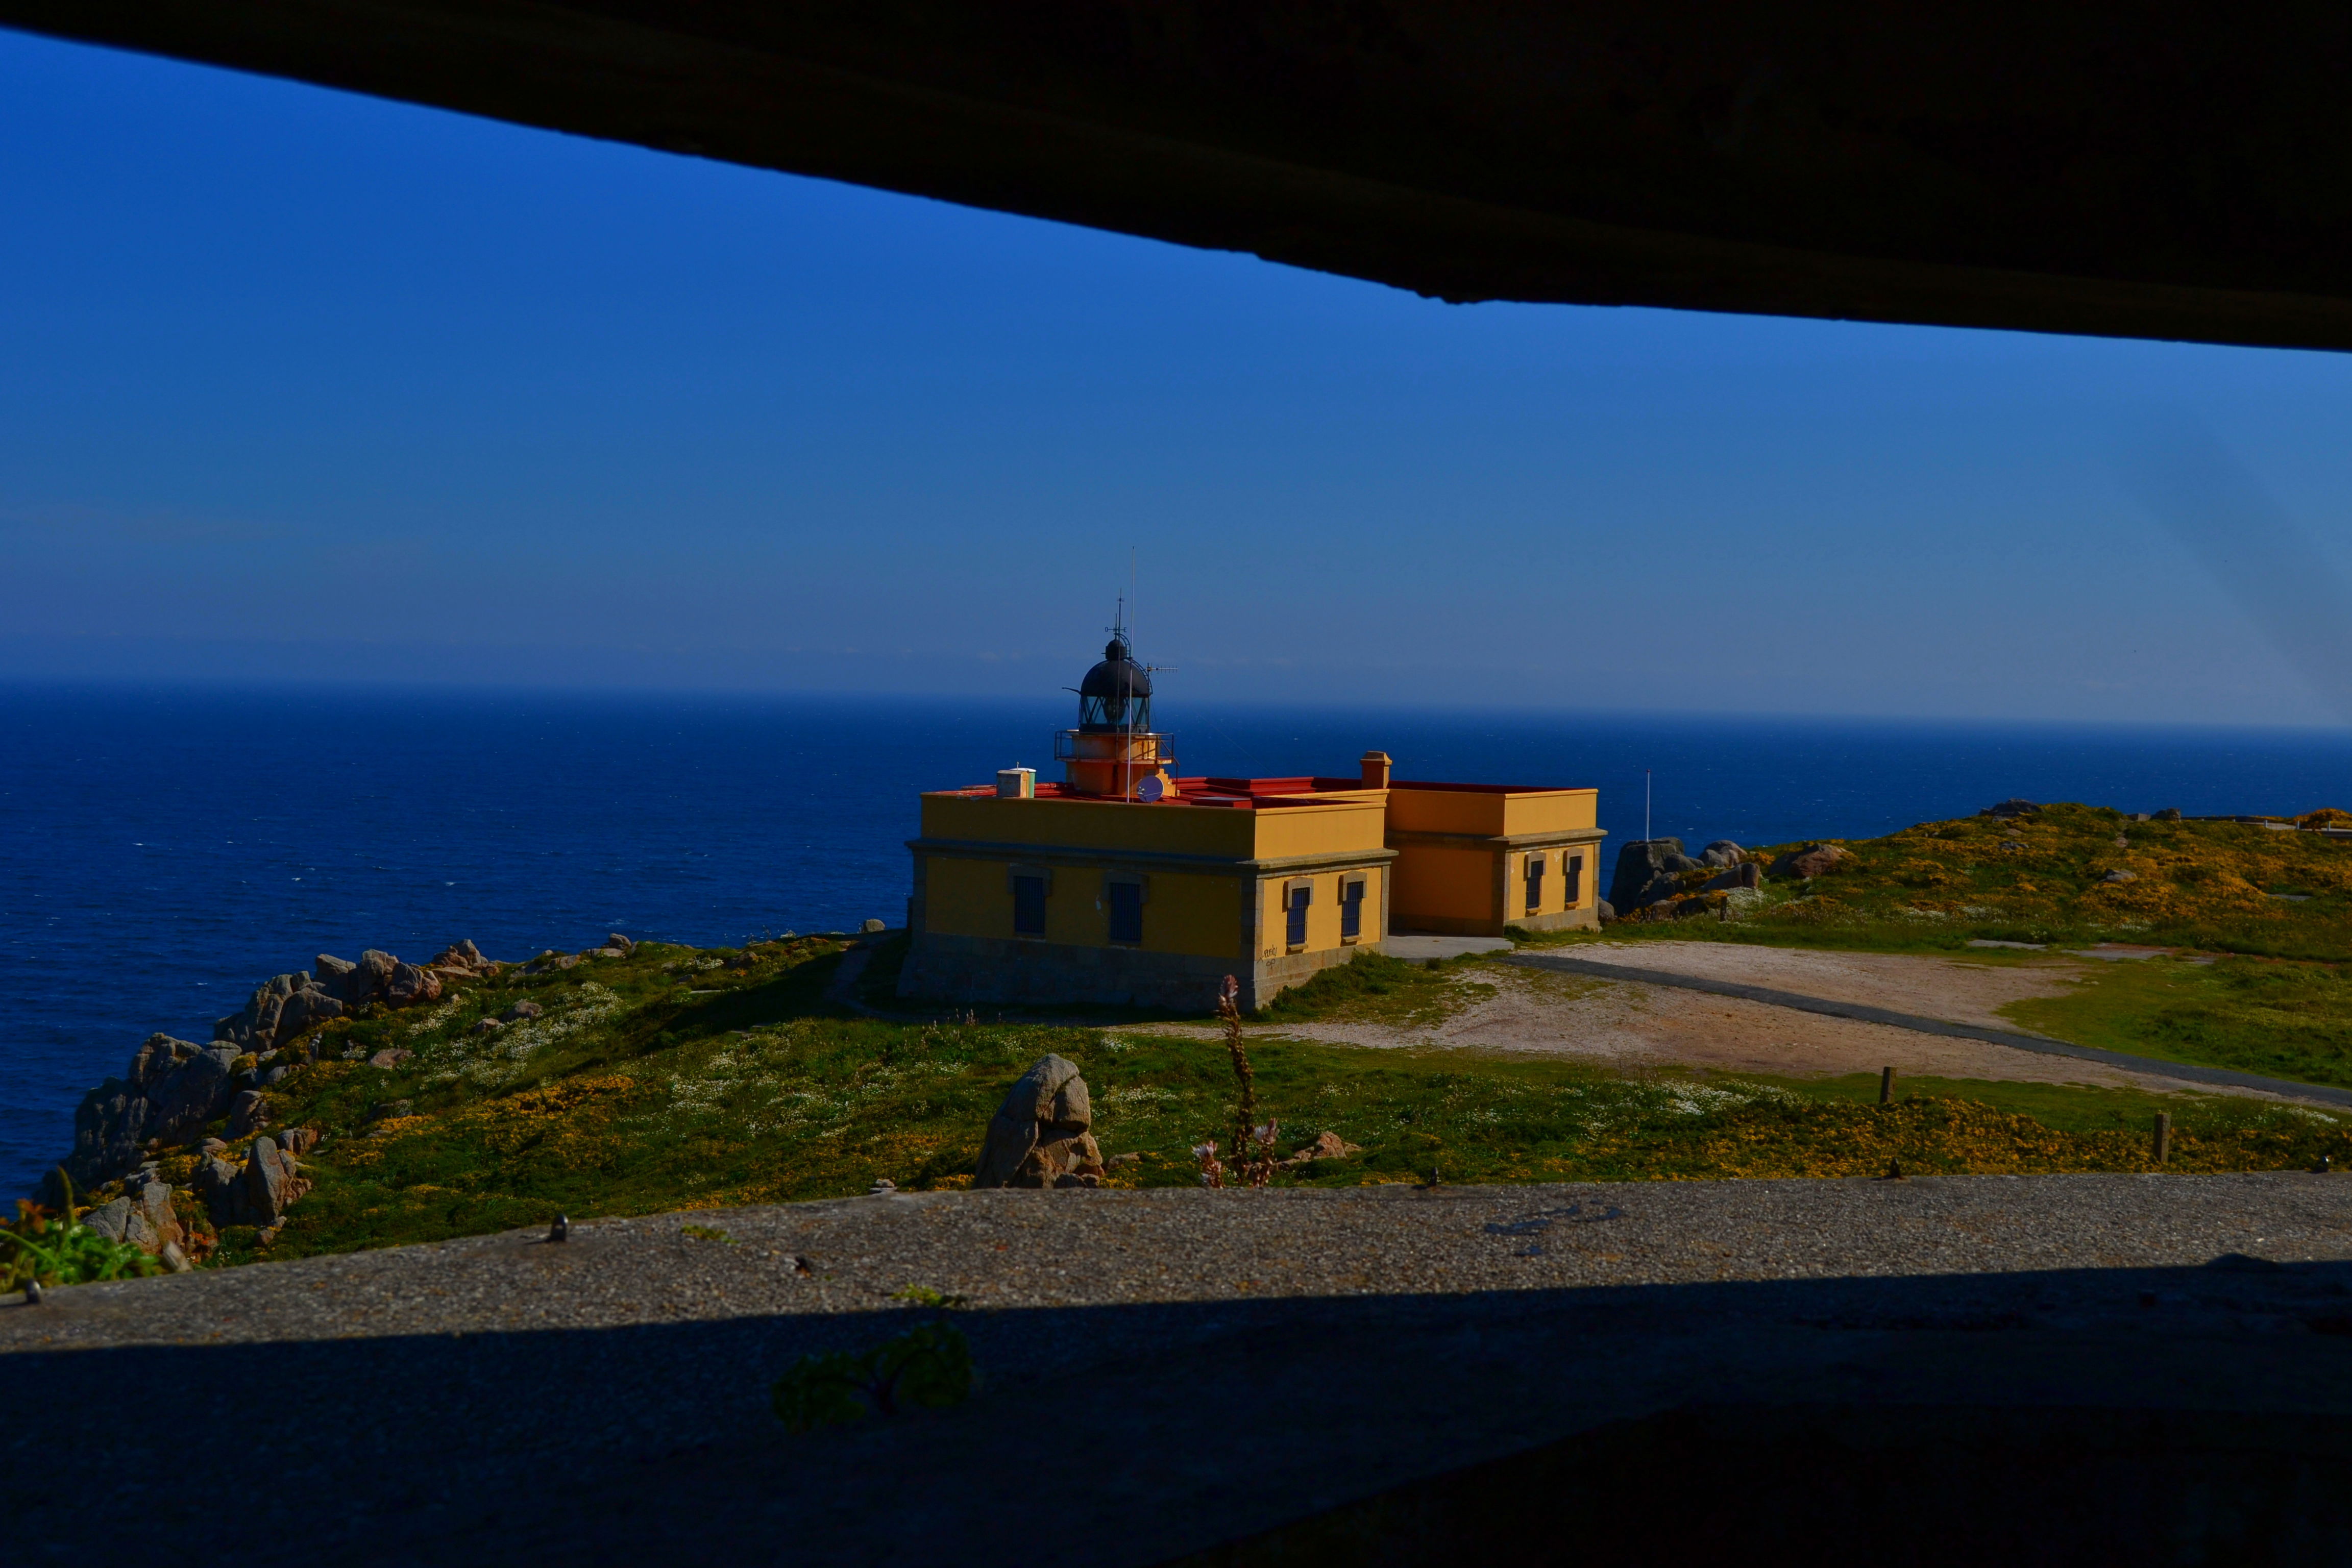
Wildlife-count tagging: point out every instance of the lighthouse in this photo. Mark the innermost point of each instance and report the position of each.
(1114, 753)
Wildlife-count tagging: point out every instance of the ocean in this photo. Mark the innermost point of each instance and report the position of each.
(163, 851)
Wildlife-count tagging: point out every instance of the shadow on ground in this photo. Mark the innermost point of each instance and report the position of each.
(2178, 1414)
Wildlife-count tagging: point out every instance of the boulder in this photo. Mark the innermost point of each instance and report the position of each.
(873, 926)
(410, 985)
(110, 1220)
(154, 1225)
(248, 1113)
(1745, 874)
(522, 1010)
(280, 1008)
(461, 955)
(1741, 902)
(216, 1183)
(1818, 860)
(2120, 876)
(270, 1183)
(391, 1056)
(2014, 806)
(1328, 1146)
(1722, 852)
(2170, 813)
(624, 944)
(258, 1193)
(1039, 1136)
(1645, 867)
(1605, 910)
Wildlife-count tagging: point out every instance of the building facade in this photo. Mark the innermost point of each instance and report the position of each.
(1125, 883)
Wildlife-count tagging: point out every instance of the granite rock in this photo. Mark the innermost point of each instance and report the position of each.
(1816, 861)
(1647, 872)
(1047, 1107)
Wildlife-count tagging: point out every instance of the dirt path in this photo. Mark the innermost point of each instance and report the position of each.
(1958, 989)
(1632, 1026)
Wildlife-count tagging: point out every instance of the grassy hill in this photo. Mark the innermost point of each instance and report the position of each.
(2044, 878)
(679, 1078)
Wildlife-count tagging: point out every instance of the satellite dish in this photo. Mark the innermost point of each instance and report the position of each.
(1150, 788)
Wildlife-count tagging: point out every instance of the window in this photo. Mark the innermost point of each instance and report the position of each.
(1126, 901)
(1535, 883)
(1351, 910)
(1028, 906)
(1296, 900)
(1574, 891)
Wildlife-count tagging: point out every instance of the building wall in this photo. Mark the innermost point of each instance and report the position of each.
(1224, 914)
(1436, 882)
(1092, 825)
(1322, 911)
(1182, 911)
(1461, 863)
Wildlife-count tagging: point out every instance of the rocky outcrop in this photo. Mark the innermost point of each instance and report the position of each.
(463, 960)
(280, 1008)
(1648, 870)
(378, 977)
(257, 1192)
(1039, 1137)
(2014, 806)
(143, 1216)
(172, 1088)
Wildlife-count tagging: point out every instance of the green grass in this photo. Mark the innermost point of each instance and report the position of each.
(2284, 1019)
(1375, 988)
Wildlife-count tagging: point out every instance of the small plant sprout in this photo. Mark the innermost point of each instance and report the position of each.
(928, 1367)
(924, 1296)
(705, 1232)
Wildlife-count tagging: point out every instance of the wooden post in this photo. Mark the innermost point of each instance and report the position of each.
(2163, 1137)
(1887, 1086)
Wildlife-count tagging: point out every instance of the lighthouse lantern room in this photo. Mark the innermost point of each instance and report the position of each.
(1114, 753)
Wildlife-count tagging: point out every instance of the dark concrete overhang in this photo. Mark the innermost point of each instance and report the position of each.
(2177, 170)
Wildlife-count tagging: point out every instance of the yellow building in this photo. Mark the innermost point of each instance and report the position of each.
(1474, 858)
(1125, 883)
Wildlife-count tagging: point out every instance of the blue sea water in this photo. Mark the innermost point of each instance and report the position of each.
(162, 851)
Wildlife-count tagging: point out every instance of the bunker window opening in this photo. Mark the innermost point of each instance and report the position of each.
(1296, 901)
(1574, 891)
(1351, 910)
(1535, 883)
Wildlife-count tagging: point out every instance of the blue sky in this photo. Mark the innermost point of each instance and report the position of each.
(297, 386)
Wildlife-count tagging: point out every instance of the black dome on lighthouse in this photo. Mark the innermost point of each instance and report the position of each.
(1117, 676)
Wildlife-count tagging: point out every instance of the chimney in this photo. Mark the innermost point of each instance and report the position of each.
(1376, 770)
